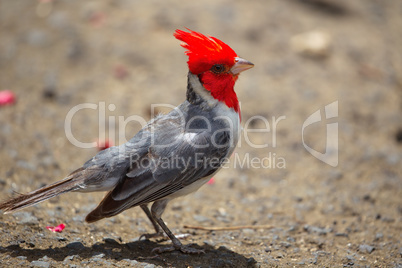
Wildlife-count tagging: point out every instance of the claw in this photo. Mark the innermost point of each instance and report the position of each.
(182, 248)
(154, 235)
(161, 236)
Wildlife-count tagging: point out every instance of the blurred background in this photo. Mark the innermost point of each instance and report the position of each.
(55, 55)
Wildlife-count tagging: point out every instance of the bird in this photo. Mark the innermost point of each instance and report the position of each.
(173, 155)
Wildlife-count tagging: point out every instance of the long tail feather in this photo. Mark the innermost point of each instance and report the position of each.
(21, 201)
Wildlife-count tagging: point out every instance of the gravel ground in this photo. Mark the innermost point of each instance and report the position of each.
(293, 209)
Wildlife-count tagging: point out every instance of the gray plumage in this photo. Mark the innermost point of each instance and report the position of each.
(173, 155)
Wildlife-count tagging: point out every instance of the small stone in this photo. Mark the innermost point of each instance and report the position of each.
(366, 248)
(280, 255)
(290, 239)
(131, 262)
(44, 258)
(25, 218)
(286, 244)
(60, 238)
(37, 38)
(248, 231)
(78, 218)
(349, 258)
(75, 246)
(387, 219)
(69, 258)
(342, 234)
(251, 262)
(201, 218)
(378, 236)
(313, 44)
(110, 240)
(315, 229)
(43, 264)
(101, 255)
(209, 242)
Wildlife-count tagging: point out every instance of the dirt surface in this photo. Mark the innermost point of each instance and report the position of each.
(298, 211)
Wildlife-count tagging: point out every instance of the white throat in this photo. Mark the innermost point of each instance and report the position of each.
(201, 91)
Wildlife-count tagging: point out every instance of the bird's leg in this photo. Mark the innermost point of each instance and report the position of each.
(158, 231)
(157, 209)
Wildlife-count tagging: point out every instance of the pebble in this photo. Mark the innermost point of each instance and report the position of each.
(280, 255)
(101, 255)
(350, 257)
(110, 240)
(248, 231)
(378, 236)
(201, 218)
(150, 266)
(26, 165)
(387, 219)
(366, 248)
(314, 44)
(131, 262)
(44, 258)
(290, 239)
(251, 261)
(315, 229)
(26, 218)
(37, 38)
(209, 242)
(60, 238)
(75, 246)
(78, 218)
(342, 234)
(43, 264)
(58, 20)
(69, 258)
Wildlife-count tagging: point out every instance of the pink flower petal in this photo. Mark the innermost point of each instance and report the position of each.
(211, 181)
(7, 97)
(56, 229)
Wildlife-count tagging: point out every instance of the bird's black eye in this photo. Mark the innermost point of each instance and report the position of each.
(218, 68)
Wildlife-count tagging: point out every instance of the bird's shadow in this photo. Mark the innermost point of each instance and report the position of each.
(138, 251)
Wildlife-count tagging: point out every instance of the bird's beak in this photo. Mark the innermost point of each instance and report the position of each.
(241, 65)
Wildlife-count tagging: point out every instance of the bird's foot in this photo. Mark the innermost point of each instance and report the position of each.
(158, 235)
(161, 236)
(182, 248)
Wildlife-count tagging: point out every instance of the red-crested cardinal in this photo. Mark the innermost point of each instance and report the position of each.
(174, 154)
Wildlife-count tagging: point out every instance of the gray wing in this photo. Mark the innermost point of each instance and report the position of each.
(174, 159)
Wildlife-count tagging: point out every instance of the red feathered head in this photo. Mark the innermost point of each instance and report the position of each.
(204, 51)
